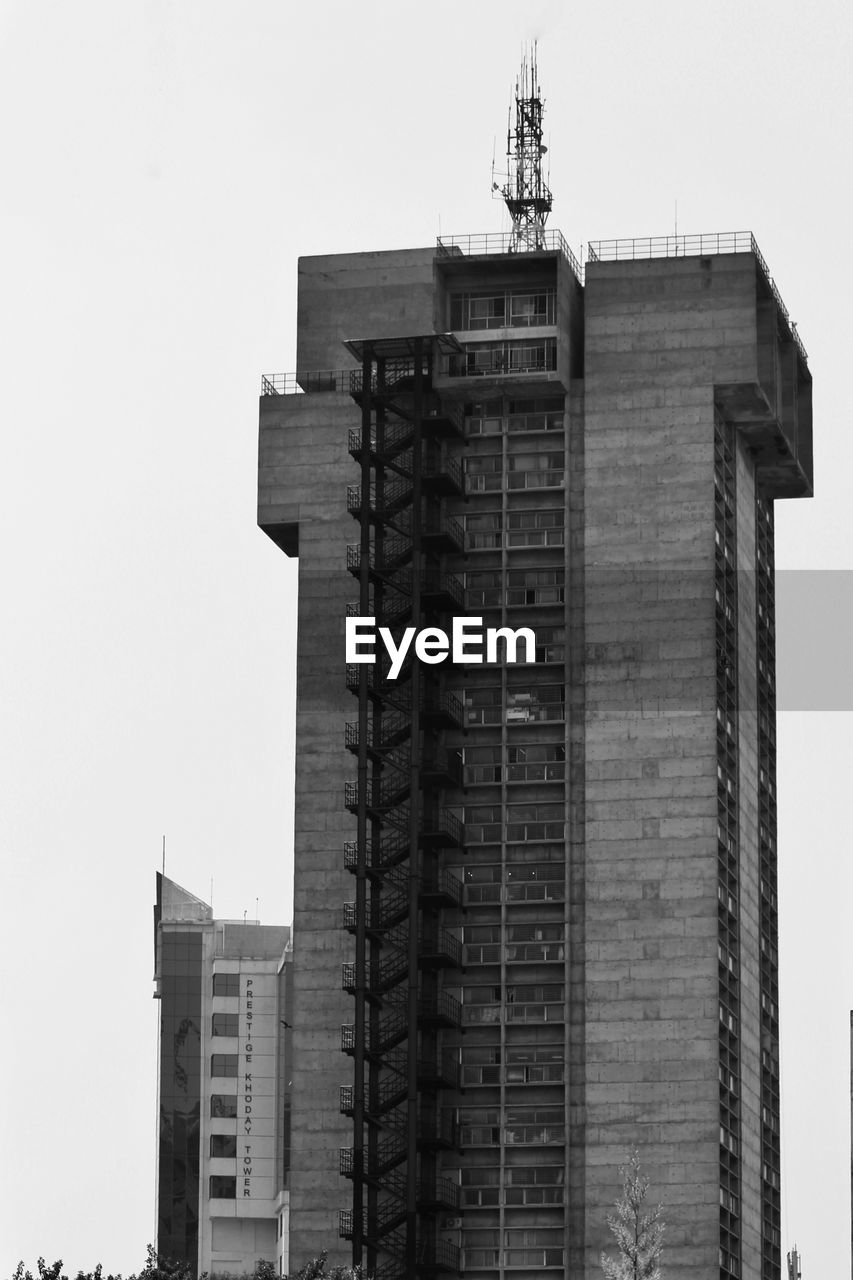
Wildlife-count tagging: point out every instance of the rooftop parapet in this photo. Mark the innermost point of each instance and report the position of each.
(694, 246)
(501, 243)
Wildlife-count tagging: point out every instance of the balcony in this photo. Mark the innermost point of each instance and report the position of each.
(505, 359)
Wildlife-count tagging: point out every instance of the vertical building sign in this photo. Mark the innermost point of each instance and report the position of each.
(257, 1091)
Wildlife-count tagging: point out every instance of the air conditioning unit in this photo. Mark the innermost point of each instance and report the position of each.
(451, 1224)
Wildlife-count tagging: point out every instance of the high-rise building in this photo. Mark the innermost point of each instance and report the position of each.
(223, 1098)
(535, 897)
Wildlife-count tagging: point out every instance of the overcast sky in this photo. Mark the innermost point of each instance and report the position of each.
(162, 166)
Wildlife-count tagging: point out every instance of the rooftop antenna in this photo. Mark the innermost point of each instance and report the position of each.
(526, 193)
(794, 1268)
(164, 855)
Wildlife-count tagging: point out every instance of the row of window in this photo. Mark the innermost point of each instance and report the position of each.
(518, 1134)
(511, 308)
(512, 1197)
(488, 473)
(529, 422)
(728, 827)
(522, 943)
(490, 588)
(488, 823)
(516, 994)
(514, 1237)
(515, 523)
(534, 762)
(544, 1073)
(490, 1259)
(518, 882)
(529, 931)
(490, 704)
(530, 413)
(481, 359)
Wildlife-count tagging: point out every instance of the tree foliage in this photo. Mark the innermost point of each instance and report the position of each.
(158, 1267)
(316, 1270)
(638, 1233)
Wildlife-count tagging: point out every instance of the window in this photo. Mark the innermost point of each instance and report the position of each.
(481, 1065)
(536, 762)
(480, 1186)
(482, 944)
(535, 1064)
(484, 589)
(534, 881)
(536, 528)
(483, 883)
(483, 705)
(223, 1064)
(518, 309)
(535, 821)
(510, 308)
(535, 702)
(484, 472)
(479, 1126)
(226, 984)
(483, 530)
(535, 1126)
(223, 1188)
(223, 1106)
(482, 1247)
(531, 308)
(536, 470)
(484, 419)
(539, 414)
(542, 1002)
(482, 1004)
(535, 586)
(550, 644)
(225, 1024)
(483, 823)
(477, 311)
(482, 765)
(223, 1146)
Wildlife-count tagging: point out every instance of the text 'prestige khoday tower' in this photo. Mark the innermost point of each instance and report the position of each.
(535, 903)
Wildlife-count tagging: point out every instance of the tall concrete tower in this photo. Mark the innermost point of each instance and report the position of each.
(535, 901)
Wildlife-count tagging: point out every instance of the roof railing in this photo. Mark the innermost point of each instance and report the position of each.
(692, 246)
(297, 384)
(501, 242)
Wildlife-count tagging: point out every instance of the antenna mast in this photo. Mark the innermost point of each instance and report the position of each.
(526, 193)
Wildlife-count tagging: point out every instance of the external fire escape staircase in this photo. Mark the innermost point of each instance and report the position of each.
(401, 1068)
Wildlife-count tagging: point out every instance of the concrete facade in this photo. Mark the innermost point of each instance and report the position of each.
(615, 794)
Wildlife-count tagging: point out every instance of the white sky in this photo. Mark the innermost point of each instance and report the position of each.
(162, 165)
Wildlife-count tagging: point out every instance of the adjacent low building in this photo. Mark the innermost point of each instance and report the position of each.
(223, 1151)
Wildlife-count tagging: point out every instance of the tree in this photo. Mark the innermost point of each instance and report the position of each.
(54, 1272)
(316, 1270)
(159, 1267)
(639, 1235)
